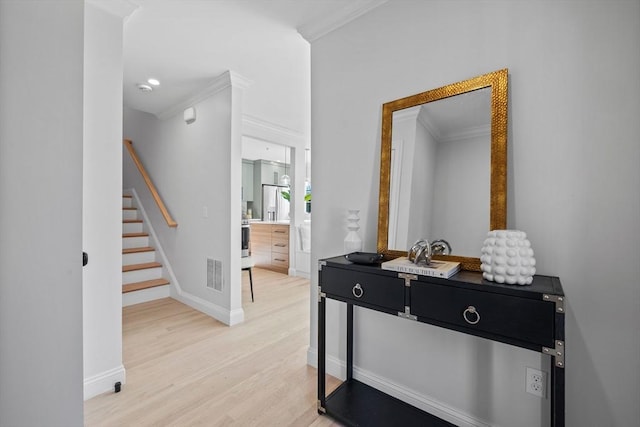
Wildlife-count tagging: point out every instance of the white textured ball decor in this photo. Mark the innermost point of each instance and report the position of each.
(507, 257)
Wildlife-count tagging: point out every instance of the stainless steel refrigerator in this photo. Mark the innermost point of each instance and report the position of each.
(275, 202)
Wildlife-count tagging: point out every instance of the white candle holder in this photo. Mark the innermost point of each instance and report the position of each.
(353, 242)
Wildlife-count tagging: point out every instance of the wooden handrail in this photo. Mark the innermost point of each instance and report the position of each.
(163, 209)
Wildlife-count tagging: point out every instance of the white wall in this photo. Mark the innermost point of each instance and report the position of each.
(573, 186)
(191, 166)
(461, 210)
(280, 93)
(41, 124)
(423, 185)
(102, 201)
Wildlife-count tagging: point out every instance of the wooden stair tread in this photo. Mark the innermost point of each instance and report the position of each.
(131, 221)
(143, 266)
(127, 196)
(137, 250)
(137, 286)
(129, 209)
(135, 235)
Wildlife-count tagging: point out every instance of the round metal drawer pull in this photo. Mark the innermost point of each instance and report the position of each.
(357, 290)
(471, 310)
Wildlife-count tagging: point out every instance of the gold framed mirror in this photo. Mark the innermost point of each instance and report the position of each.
(443, 168)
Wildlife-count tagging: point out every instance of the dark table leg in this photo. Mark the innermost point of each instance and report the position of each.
(349, 341)
(321, 355)
(557, 395)
(557, 375)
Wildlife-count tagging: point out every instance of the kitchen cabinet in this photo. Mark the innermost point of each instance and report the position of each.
(270, 246)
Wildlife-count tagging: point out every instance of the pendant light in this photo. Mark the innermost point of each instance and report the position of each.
(285, 180)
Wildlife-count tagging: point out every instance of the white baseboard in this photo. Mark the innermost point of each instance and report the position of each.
(103, 382)
(303, 274)
(337, 368)
(298, 273)
(236, 316)
(333, 366)
(228, 317)
(144, 295)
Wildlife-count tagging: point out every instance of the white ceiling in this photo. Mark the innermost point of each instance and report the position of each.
(187, 44)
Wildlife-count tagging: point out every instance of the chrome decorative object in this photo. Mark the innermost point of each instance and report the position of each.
(440, 247)
(420, 252)
(507, 257)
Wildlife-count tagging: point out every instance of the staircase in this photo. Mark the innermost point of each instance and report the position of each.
(141, 273)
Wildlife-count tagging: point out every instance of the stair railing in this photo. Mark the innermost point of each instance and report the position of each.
(147, 180)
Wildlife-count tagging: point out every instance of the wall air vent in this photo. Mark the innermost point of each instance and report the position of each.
(214, 274)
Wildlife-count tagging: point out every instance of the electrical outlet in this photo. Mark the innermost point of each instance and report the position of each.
(536, 382)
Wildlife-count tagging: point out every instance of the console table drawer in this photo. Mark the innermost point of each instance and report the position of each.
(513, 317)
(373, 289)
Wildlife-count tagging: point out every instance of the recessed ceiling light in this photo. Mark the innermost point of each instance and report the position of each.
(154, 82)
(145, 88)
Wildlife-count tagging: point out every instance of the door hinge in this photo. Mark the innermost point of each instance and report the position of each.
(407, 278)
(321, 264)
(557, 299)
(320, 408)
(557, 353)
(320, 294)
(407, 314)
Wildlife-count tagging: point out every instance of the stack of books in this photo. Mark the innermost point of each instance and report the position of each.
(444, 269)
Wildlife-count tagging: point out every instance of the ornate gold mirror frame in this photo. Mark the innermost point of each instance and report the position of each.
(498, 82)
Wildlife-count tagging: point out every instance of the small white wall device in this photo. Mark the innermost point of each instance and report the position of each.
(190, 115)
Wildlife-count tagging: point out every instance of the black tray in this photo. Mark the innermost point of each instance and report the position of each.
(367, 258)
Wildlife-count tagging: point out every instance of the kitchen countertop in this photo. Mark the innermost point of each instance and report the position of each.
(259, 221)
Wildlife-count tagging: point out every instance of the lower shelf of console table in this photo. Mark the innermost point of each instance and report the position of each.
(530, 317)
(354, 400)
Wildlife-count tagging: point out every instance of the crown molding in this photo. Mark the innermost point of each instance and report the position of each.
(312, 31)
(120, 8)
(406, 113)
(238, 81)
(430, 126)
(271, 132)
(225, 80)
(455, 135)
(468, 133)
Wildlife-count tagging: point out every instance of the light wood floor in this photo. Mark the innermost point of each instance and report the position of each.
(185, 368)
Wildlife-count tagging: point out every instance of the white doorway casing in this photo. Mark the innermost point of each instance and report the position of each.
(102, 197)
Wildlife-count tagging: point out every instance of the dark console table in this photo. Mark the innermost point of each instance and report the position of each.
(530, 317)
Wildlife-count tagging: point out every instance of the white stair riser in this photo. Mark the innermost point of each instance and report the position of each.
(129, 214)
(129, 277)
(145, 295)
(141, 275)
(132, 227)
(134, 242)
(138, 258)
